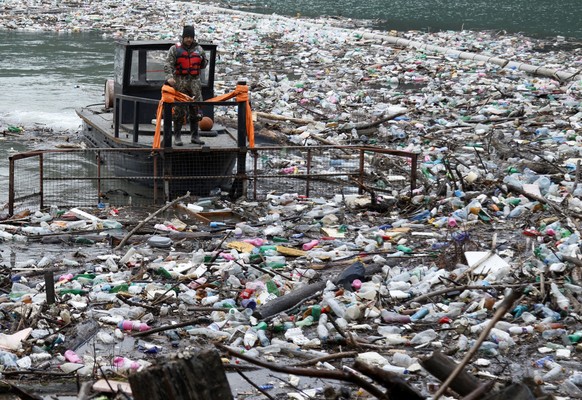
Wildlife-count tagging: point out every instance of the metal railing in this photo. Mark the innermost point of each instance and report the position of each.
(75, 177)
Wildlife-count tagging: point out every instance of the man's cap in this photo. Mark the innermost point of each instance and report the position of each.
(188, 31)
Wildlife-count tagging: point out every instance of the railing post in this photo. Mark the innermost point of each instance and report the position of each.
(167, 144)
(155, 173)
(361, 177)
(116, 121)
(167, 125)
(41, 177)
(98, 161)
(11, 186)
(237, 187)
(413, 162)
(135, 121)
(255, 178)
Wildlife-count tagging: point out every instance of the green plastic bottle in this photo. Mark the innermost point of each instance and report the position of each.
(404, 249)
(164, 273)
(272, 288)
(316, 311)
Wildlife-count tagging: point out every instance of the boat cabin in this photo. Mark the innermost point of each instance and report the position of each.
(139, 72)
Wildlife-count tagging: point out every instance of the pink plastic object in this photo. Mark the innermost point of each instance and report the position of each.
(71, 356)
(126, 325)
(309, 245)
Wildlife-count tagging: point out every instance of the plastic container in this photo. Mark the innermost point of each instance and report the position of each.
(390, 317)
(310, 245)
(423, 337)
(71, 356)
(127, 325)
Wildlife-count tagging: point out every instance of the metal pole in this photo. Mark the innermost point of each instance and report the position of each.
(11, 187)
(167, 145)
(242, 148)
(41, 177)
(167, 142)
(98, 159)
(255, 163)
(413, 166)
(49, 283)
(155, 177)
(361, 177)
(135, 121)
(116, 116)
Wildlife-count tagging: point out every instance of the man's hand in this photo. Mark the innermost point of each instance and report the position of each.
(171, 82)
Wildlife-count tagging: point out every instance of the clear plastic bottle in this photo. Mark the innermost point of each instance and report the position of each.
(322, 331)
(423, 337)
(562, 301)
(263, 339)
(250, 338)
(336, 307)
(550, 334)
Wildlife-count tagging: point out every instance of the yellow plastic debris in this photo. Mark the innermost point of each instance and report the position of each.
(241, 246)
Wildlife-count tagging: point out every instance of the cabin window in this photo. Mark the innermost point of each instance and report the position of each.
(147, 67)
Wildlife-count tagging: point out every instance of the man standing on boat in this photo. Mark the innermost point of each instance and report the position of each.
(183, 68)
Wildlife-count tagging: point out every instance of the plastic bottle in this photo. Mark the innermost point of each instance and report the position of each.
(316, 312)
(250, 338)
(395, 369)
(519, 330)
(561, 300)
(423, 337)
(548, 325)
(263, 339)
(554, 374)
(322, 331)
(550, 334)
(402, 360)
(547, 312)
(71, 356)
(125, 364)
(420, 314)
(127, 325)
(310, 245)
(336, 307)
(390, 317)
(575, 337)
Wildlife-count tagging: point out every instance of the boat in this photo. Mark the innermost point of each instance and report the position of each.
(126, 123)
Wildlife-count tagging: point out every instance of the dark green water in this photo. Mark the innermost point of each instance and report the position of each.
(537, 18)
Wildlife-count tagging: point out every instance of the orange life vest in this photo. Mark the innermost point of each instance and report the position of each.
(188, 63)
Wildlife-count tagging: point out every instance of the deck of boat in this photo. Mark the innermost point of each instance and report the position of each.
(102, 120)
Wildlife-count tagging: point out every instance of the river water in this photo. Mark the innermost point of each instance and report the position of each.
(536, 18)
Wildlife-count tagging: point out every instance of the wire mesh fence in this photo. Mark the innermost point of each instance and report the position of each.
(142, 177)
(329, 170)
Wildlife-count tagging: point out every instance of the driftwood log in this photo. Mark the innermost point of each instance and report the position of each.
(397, 388)
(200, 377)
(442, 366)
(291, 299)
(515, 391)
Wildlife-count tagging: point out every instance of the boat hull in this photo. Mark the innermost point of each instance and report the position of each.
(173, 171)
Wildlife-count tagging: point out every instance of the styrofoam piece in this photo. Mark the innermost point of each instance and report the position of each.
(485, 261)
